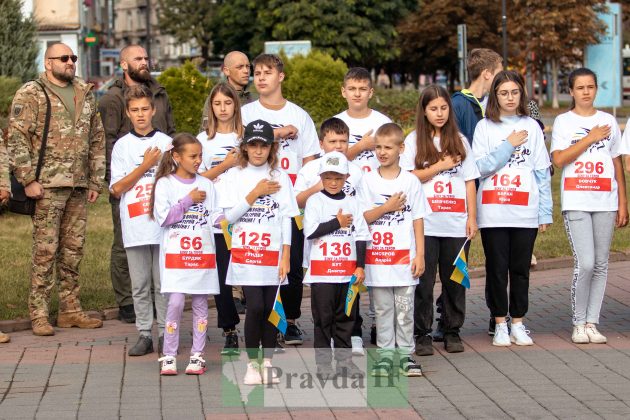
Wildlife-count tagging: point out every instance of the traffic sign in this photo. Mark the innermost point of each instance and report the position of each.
(90, 39)
(109, 53)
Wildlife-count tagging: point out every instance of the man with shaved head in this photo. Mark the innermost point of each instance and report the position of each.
(135, 65)
(71, 176)
(236, 69)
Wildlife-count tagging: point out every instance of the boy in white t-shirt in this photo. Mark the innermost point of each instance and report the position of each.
(337, 234)
(363, 121)
(395, 256)
(134, 162)
(334, 135)
(296, 135)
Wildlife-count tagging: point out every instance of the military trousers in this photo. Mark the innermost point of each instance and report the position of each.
(59, 226)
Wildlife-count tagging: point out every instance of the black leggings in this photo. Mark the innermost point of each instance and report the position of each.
(258, 329)
(226, 310)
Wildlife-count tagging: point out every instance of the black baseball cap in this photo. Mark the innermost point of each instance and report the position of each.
(258, 130)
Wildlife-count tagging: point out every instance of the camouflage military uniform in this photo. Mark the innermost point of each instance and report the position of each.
(5, 182)
(74, 162)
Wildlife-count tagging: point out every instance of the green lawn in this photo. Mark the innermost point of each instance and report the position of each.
(96, 292)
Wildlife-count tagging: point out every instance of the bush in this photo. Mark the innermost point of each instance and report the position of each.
(314, 83)
(8, 87)
(187, 90)
(398, 105)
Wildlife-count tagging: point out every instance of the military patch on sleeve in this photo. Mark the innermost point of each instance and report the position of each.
(17, 109)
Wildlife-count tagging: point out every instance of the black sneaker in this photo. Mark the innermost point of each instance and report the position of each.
(373, 334)
(127, 314)
(453, 343)
(383, 368)
(293, 335)
(438, 335)
(231, 344)
(240, 307)
(142, 347)
(325, 371)
(424, 345)
(409, 367)
(348, 369)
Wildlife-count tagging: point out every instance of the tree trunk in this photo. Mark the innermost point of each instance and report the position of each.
(541, 77)
(554, 86)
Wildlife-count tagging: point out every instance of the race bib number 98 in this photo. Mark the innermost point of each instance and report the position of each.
(389, 246)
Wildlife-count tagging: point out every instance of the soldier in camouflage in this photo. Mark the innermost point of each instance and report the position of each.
(72, 174)
(5, 192)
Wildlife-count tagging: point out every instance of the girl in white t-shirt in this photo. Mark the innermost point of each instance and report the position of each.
(220, 153)
(258, 200)
(586, 145)
(184, 204)
(513, 203)
(441, 158)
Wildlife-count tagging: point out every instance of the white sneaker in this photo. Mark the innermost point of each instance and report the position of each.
(520, 335)
(501, 336)
(196, 366)
(595, 336)
(268, 373)
(357, 346)
(579, 335)
(252, 376)
(168, 365)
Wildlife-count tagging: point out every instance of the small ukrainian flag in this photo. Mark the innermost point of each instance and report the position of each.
(460, 274)
(277, 316)
(353, 291)
(226, 227)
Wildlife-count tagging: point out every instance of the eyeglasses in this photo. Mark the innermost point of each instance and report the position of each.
(505, 93)
(65, 58)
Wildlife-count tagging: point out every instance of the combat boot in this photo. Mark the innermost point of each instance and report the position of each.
(78, 319)
(4, 338)
(41, 326)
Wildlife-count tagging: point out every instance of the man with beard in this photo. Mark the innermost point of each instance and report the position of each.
(71, 176)
(134, 62)
(236, 69)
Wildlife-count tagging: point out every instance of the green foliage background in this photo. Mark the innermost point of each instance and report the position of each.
(187, 90)
(18, 42)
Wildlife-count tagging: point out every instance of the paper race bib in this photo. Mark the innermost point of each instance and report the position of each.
(191, 249)
(592, 172)
(446, 193)
(140, 198)
(333, 256)
(288, 161)
(256, 244)
(389, 246)
(508, 186)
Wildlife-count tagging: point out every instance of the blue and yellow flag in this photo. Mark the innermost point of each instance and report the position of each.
(227, 233)
(353, 291)
(460, 274)
(277, 316)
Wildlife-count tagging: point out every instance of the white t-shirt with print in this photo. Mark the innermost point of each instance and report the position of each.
(366, 160)
(588, 183)
(257, 237)
(445, 192)
(128, 153)
(214, 152)
(187, 250)
(510, 197)
(624, 146)
(332, 257)
(290, 152)
(393, 244)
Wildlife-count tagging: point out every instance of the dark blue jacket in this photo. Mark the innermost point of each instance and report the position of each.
(467, 113)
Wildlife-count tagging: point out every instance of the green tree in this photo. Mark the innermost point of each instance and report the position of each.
(189, 19)
(357, 31)
(555, 32)
(314, 83)
(428, 37)
(18, 42)
(187, 90)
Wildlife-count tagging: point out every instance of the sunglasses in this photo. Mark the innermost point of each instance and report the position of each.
(65, 58)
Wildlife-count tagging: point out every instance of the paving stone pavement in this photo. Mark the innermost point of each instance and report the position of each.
(85, 374)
